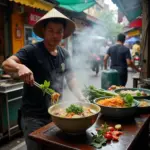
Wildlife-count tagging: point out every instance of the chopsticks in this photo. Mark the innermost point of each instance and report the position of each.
(38, 85)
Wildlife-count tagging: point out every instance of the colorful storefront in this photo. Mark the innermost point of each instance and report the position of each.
(24, 15)
(3, 30)
(22, 20)
(133, 33)
(135, 28)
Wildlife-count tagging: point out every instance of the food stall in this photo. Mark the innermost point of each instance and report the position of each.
(10, 100)
(120, 122)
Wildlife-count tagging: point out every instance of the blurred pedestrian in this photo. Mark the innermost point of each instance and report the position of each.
(120, 59)
(136, 48)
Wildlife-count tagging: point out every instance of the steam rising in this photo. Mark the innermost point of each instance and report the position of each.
(86, 42)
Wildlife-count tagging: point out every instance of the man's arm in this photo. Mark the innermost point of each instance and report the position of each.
(74, 87)
(105, 60)
(71, 79)
(13, 65)
(131, 64)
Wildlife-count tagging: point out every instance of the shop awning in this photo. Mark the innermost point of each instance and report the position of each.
(132, 40)
(137, 23)
(39, 4)
(76, 5)
(130, 8)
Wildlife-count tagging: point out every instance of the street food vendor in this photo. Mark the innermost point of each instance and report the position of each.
(41, 61)
(120, 59)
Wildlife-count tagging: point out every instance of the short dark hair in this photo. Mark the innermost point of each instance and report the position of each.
(55, 20)
(137, 42)
(121, 37)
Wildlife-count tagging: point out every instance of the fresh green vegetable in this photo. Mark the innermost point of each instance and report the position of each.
(105, 133)
(74, 109)
(99, 140)
(138, 94)
(128, 98)
(45, 88)
(91, 92)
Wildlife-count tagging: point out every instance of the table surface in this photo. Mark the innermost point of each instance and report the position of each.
(52, 135)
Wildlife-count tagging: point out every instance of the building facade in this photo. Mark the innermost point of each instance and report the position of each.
(4, 30)
(16, 24)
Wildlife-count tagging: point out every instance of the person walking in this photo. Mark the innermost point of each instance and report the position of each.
(120, 59)
(40, 61)
(136, 48)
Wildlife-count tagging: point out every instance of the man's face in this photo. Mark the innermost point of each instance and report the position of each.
(53, 33)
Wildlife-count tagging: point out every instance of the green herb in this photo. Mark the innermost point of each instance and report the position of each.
(128, 98)
(75, 109)
(138, 94)
(45, 88)
(99, 140)
(104, 128)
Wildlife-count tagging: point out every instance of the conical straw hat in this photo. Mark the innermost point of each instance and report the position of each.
(38, 27)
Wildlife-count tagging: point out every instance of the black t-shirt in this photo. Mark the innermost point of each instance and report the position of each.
(44, 67)
(118, 54)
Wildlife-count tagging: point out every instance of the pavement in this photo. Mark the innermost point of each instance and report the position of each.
(84, 77)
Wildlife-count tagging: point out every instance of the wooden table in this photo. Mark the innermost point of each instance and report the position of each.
(135, 136)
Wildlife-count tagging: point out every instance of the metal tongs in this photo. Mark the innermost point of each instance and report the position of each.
(38, 85)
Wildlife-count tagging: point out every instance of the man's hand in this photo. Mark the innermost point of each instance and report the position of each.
(25, 74)
(131, 64)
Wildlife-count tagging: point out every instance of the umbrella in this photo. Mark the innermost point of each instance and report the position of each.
(132, 40)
